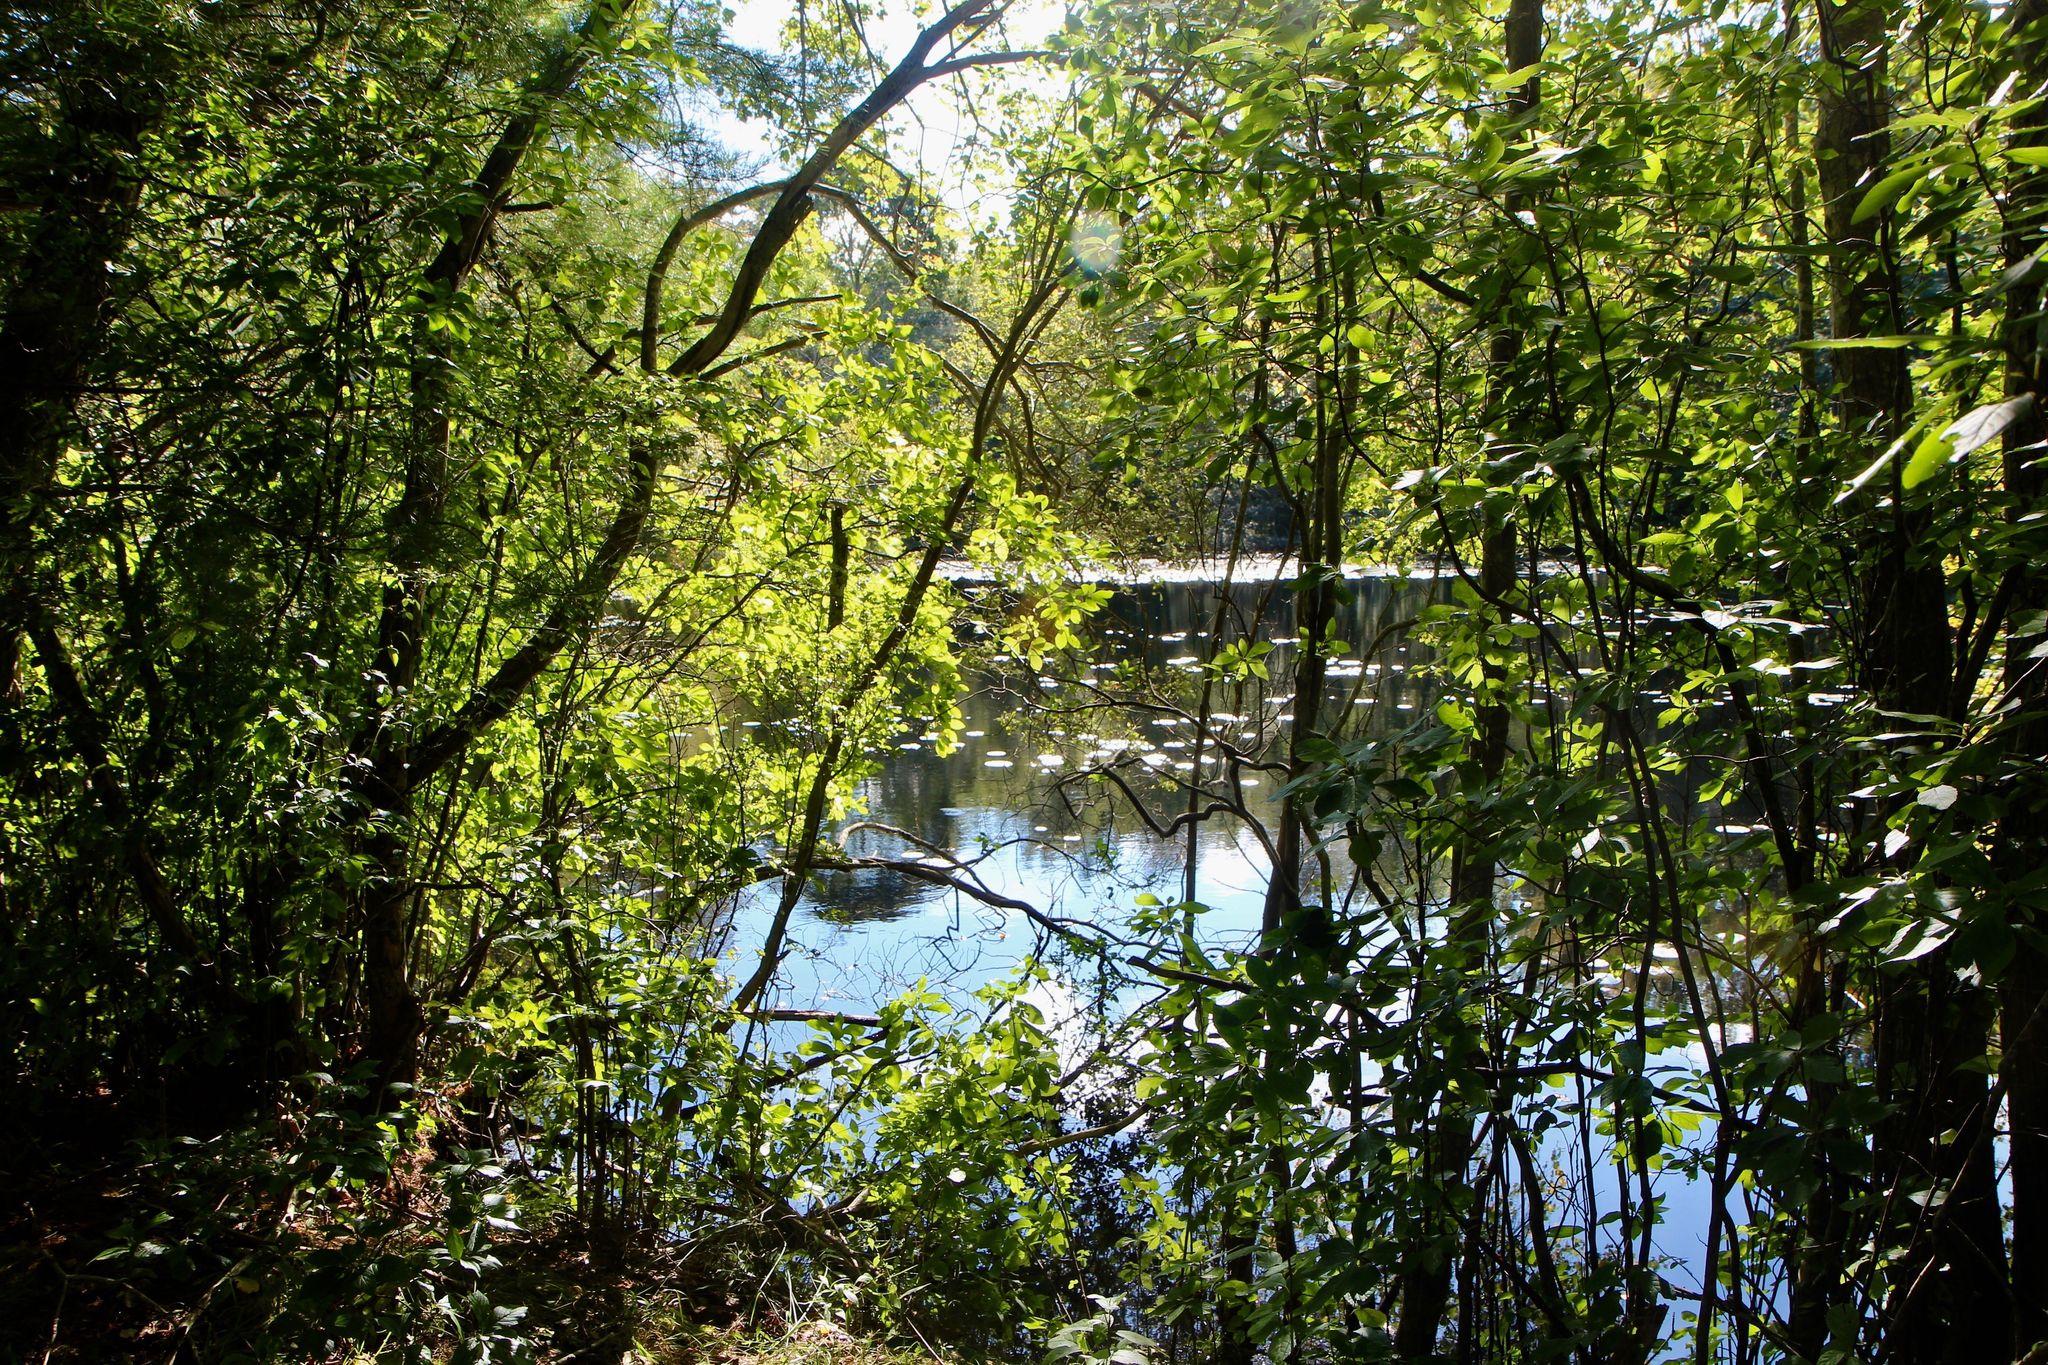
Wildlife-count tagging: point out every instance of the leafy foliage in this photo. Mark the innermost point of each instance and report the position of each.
(461, 542)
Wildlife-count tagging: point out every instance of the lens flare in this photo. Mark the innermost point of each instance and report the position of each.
(1096, 245)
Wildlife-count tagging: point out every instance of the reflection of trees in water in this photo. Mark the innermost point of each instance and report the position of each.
(1043, 788)
(1041, 794)
(867, 894)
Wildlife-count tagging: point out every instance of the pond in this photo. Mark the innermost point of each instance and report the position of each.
(1038, 795)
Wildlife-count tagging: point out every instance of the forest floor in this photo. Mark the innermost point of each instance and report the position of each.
(114, 1249)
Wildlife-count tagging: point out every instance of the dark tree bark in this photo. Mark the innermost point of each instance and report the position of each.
(1947, 1298)
(2022, 841)
(1816, 1253)
(395, 1016)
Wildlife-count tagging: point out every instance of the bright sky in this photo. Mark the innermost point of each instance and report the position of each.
(931, 125)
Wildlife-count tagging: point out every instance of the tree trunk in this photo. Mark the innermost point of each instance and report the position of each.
(1947, 1298)
(395, 1018)
(53, 326)
(2022, 841)
(1816, 1249)
(396, 764)
(1429, 1249)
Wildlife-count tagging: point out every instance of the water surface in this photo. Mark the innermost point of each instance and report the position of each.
(1023, 799)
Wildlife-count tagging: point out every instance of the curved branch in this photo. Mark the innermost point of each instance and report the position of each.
(793, 203)
(657, 274)
(1036, 311)
(787, 344)
(576, 611)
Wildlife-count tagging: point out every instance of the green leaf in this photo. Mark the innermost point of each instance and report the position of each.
(2028, 156)
(1918, 938)
(1980, 425)
(2025, 272)
(1878, 465)
(1856, 343)
(1885, 192)
(1259, 123)
(1487, 149)
(1929, 456)
(1960, 438)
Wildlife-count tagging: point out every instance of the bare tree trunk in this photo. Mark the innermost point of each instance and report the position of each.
(1429, 1251)
(1322, 568)
(1816, 1252)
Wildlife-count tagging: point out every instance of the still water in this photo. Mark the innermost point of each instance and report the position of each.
(1038, 797)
